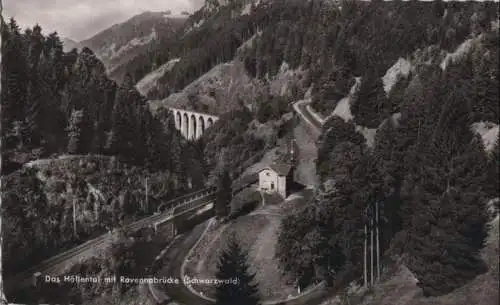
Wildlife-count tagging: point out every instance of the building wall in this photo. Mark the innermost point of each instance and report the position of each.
(282, 186)
(268, 177)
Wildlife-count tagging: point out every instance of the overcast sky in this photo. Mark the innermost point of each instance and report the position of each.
(80, 19)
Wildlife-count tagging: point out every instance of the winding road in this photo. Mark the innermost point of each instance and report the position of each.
(300, 108)
(179, 294)
(172, 263)
(175, 255)
(180, 247)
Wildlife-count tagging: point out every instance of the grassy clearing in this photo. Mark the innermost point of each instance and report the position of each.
(245, 201)
(261, 245)
(258, 233)
(296, 201)
(272, 198)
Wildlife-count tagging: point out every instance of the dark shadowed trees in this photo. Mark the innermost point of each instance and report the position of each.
(233, 264)
(224, 194)
(370, 106)
(448, 220)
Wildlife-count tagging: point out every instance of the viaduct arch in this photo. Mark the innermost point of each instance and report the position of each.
(192, 124)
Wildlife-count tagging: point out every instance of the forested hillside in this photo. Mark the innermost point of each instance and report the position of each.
(428, 167)
(404, 139)
(58, 104)
(407, 91)
(334, 44)
(407, 140)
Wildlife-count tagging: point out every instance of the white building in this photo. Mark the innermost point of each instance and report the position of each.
(276, 178)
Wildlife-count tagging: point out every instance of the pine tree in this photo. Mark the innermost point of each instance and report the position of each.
(357, 185)
(335, 131)
(448, 222)
(121, 137)
(233, 264)
(298, 259)
(75, 132)
(390, 172)
(371, 105)
(484, 84)
(396, 94)
(14, 74)
(331, 246)
(494, 166)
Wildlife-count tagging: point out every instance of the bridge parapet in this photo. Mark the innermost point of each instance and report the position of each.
(186, 198)
(167, 225)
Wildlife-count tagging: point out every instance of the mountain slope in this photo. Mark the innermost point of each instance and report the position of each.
(410, 98)
(54, 104)
(118, 45)
(69, 44)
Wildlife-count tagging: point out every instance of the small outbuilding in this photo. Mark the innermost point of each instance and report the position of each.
(276, 178)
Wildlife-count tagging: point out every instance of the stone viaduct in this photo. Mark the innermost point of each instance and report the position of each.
(192, 124)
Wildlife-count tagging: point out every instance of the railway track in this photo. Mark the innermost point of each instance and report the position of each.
(60, 262)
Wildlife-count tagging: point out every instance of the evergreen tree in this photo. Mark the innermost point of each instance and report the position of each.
(330, 231)
(224, 194)
(120, 141)
(357, 185)
(233, 264)
(386, 156)
(14, 74)
(448, 223)
(493, 171)
(396, 94)
(484, 83)
(299, 259)
(371, 105)
(335, 131)
(75, 132)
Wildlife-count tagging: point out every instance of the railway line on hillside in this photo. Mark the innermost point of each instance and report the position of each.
(58, 263)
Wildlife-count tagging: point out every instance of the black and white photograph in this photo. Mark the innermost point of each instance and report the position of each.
(249, 152)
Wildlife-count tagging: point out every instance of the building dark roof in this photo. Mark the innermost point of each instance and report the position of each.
(281, 169)
(245, 181)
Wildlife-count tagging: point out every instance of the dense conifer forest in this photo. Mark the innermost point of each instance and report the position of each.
(59, 104)
(427, 168)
